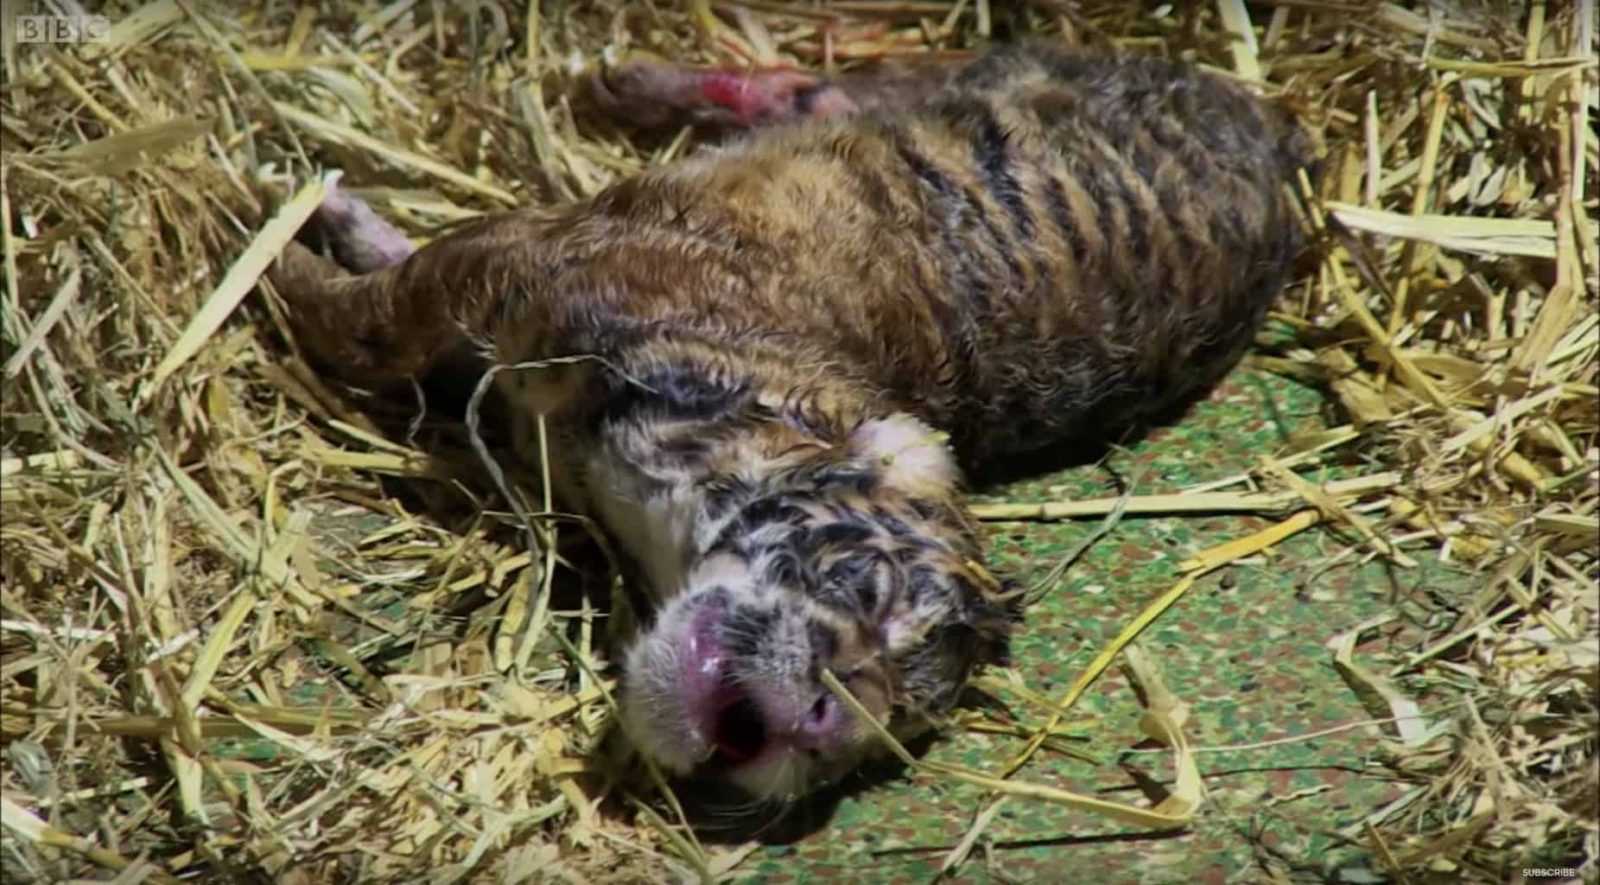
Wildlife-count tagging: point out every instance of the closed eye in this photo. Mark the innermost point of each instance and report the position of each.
(856, 577)
(783, 570)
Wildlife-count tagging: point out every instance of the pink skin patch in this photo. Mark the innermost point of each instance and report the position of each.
(744, 724)
(756, 96)
(702, 675)
(648, 92)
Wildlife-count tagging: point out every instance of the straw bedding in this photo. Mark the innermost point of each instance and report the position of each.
(247, 634)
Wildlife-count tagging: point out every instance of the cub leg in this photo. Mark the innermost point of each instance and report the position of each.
(372, 317)
(375, 318)
(650, 93)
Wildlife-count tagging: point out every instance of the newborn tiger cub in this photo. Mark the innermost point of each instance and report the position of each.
(798, 341)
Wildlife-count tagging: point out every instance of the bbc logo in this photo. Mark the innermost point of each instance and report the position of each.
(63, 28)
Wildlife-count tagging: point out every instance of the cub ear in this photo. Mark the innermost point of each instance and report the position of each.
(908, 454)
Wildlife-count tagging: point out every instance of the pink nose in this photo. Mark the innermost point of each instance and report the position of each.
(823, 726)
(747, 729)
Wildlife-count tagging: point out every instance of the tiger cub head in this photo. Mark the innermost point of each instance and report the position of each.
(853, 559)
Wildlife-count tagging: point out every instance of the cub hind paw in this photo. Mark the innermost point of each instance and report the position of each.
(361, 240)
